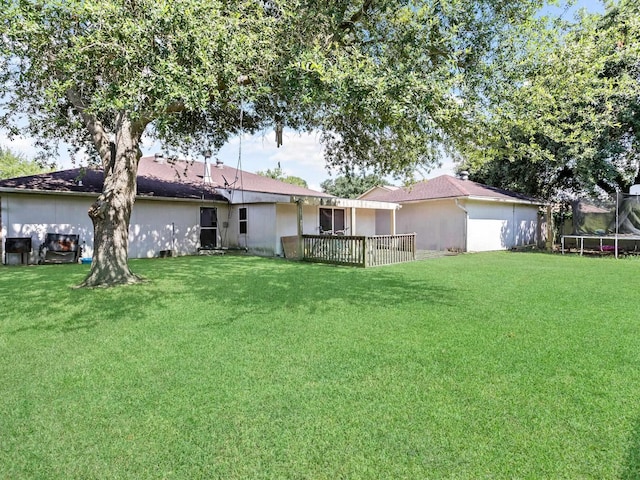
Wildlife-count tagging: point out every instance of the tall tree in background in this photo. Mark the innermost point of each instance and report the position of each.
(16, 165)
(278, 174)
(566, 116)
(390, 84)
(350, 186)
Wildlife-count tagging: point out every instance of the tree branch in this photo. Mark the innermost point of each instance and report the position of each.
(97, 130)
(348, 24)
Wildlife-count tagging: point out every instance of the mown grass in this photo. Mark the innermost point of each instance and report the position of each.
(497, 365)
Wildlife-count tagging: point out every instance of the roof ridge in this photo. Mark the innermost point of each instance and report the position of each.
(456, 183)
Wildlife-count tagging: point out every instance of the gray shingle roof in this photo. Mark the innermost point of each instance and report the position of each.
(446, 186)
(180, 179)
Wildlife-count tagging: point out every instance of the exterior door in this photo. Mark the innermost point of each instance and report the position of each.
(208, 228)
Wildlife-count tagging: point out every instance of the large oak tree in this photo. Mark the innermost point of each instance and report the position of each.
(565, 120)
(390, 84)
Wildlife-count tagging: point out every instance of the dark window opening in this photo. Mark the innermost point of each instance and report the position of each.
(208, 228)
(332, 220)
(242, 215)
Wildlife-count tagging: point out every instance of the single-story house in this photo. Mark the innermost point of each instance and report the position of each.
(183, 207)
(456, 214)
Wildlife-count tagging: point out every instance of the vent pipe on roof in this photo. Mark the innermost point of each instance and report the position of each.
(207, 173)
(219, 163)
(464, 175)
(159, 158)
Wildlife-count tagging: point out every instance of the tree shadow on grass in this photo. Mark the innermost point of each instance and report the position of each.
(42, 298)
(246, 285)
(235, 286)
(632, 461)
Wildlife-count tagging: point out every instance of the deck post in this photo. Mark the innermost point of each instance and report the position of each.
(364, 251)
(300, 223)
(413, 245)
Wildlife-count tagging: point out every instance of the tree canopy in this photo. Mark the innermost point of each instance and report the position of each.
(278, 174)
(391, 85)
(567, 120)
(350, 186)
(16, 165)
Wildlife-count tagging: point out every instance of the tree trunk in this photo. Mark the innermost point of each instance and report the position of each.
(111, 213)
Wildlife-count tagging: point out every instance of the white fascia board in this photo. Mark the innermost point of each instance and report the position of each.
(22, 191)
(241, 197)
(372, 204)
(175, 199)
(47, 192)
(506, 200)
(345, 203)
(476, 198)
(237, 197)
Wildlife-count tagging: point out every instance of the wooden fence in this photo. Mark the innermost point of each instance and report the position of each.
(359, 251)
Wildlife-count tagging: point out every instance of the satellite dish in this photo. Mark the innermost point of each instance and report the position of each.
(635, 189)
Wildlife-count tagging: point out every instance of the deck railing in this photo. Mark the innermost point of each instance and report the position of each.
(359, 251)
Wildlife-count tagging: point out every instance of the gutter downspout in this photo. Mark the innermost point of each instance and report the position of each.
(464, 227)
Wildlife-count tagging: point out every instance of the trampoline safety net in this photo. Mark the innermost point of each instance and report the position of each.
(616, 215)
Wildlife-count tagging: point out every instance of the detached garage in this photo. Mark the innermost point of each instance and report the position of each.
(456, 214)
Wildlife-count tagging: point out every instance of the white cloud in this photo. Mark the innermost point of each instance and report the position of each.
(20, 144)
(25, 145)
(448, 168)
(300, 155)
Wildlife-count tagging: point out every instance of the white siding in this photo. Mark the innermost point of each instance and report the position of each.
(383, 222)
(165, 225)
(499, 226)
(439, 224)
(260, 238)
(287, 222)
(155, 225)
(365, 222)
(36, 215)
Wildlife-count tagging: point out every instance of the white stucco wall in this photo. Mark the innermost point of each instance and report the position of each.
(287, 222)
(166, 225)
(36, 215)
(438, 224)
(365, 222)
(383, 222)
(155, 225)
(260, 238)
(499, 226)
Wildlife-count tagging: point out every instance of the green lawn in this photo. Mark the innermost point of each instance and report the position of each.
(501, 365)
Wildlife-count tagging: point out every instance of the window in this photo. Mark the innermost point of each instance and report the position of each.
(331, 220)
(208, 228)
(242, 216)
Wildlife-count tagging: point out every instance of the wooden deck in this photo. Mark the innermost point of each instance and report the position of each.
(359, 251)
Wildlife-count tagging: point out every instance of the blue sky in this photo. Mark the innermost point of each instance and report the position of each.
(300, 155)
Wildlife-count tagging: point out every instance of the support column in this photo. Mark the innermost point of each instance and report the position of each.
(300, 226)
(392, 219)
(354, 229)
